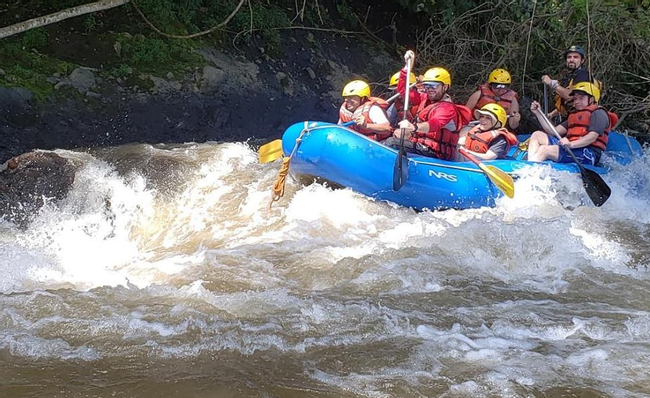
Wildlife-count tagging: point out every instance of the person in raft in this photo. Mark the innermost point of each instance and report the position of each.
(497, 90)
(395, 111)
(574, 58)
(488, 139)
(434, 132)
(368, 113)
(585, 132)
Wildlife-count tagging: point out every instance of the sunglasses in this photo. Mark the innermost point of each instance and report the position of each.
(499, 85)
(432, 86)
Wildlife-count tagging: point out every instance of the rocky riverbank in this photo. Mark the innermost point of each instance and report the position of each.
(246, 96)
(230, 98)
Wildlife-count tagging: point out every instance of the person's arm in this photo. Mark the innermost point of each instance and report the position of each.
(414, 96)
(380, 123)
(489, 155)
(582, 142)
(438, 118)
(563, 92)
(581, 75)
(473, 99)
(514, 117)
(537, 111)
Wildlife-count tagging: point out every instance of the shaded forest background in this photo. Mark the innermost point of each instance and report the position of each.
(470, 38)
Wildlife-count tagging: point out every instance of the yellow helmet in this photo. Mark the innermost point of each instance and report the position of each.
(437, 74)
(588, 88)
(395, 79)
(500, 76)
(495, 111)
(356, 87)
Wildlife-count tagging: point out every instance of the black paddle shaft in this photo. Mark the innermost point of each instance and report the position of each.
(596, 187)
(400, 171)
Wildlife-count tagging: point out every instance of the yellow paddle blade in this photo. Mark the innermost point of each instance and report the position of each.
(271, 151)
(500, 178)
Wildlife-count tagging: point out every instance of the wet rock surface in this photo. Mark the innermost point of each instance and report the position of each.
(233, 98)
(30, 180)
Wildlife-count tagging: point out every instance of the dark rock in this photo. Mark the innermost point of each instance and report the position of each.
(31, 179)
(211, 78)
(82, 79)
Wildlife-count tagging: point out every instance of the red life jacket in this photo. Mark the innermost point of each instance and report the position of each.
(364, 109)
(489, 97)
(410, 115)
(443, 142)
(578, 125)
(479, 141)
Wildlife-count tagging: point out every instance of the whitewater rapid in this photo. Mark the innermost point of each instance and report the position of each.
(165, 273)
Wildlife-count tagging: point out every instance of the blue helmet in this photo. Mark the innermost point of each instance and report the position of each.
(575, 49)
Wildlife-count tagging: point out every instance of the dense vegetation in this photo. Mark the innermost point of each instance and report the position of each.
(470, 37)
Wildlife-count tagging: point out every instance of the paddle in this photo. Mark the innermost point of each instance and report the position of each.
(500, 178)
(273, 150)
(596, 187)
(400, 170)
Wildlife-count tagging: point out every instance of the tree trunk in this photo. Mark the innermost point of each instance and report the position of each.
(60, 16)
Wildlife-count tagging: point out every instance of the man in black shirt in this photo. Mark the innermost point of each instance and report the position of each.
(574, 57)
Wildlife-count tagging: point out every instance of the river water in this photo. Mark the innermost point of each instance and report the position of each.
(164, 274)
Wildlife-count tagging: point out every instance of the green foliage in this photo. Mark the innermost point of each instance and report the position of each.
(471, 38)
(64, 68)
(90, 23)
(163, 14)
(156, 55)
(266, 19)
(192, 16)
(123, 70)
(148, 51)
(20, 76)
(447, 9)
(317, 15)
(346, 13)
(12, 54)
(35, 38)
(27, 69)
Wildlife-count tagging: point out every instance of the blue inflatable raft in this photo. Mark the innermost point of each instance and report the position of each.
(343, 158)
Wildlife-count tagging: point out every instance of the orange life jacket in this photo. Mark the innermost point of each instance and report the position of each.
(479, 141)
(578, 125)
(489, 97)
(443, 142)
(364, 109)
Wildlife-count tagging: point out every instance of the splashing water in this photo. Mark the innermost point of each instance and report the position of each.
(164, 273)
